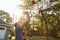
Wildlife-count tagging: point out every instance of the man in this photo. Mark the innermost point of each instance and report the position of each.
(19, 33)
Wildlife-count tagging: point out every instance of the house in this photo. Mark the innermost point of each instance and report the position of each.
(4, 30)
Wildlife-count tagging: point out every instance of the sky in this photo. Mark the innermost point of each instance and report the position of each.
(11, 6)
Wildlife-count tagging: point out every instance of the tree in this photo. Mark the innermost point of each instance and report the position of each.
(28, 5)
(5, 17)
(54, 8)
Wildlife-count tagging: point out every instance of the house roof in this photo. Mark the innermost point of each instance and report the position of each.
(2, 23)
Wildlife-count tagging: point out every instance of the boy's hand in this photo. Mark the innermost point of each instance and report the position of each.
(27, 15)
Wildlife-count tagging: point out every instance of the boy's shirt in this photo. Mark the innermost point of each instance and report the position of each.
(19, 33)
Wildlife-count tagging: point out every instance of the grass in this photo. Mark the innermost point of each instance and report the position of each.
(37, 38)
(41, 38)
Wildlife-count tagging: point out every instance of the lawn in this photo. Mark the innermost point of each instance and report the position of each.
(41, 38)
(38, 38)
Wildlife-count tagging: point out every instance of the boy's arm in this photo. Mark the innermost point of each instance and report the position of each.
(25, 22)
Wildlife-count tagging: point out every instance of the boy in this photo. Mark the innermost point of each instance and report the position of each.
(19, 32)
